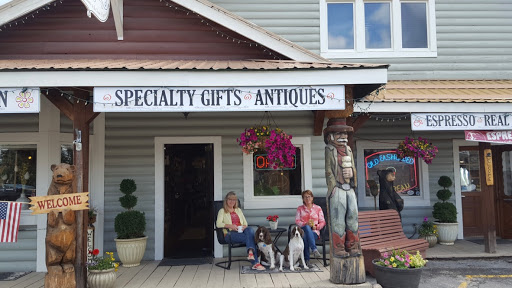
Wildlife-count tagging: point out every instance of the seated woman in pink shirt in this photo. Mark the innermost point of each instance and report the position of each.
(310, 218)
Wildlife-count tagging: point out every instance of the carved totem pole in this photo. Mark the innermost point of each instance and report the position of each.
(347, 263)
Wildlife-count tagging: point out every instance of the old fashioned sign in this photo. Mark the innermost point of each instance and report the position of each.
(461, 121)
(190, 99)
(19, 100)
(489, 176)
(72, 201)
(100, 8)
(504, 136)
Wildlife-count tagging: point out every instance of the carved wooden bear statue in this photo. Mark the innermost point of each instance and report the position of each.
(61, 231)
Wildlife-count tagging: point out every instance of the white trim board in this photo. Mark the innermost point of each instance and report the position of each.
(193, 78)
(432, 107)
(17, 8)
(159, 185)
(456, 182)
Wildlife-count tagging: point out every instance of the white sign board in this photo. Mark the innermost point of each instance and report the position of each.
(100, 8)
(19, 100)
(461, 121)
(190, 99)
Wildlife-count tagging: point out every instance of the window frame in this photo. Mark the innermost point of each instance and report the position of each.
(396, 50)
(288, 201)
(367, 201)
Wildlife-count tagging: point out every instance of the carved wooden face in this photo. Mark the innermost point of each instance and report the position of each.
(338, 138)
(63, 173)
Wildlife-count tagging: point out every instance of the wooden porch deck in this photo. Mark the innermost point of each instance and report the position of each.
(149, 274)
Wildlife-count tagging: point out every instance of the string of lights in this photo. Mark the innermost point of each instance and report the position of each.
(27, 17)
(219, 32)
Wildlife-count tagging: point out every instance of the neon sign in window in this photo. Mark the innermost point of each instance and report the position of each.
(406, 182)
(261, 163)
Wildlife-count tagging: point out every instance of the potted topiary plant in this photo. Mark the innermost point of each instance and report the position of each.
(445, 213)
(130, 226)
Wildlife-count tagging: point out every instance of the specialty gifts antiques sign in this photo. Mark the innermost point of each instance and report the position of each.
(99, 8)
(19, 100)
(188, 99)
(461, 121)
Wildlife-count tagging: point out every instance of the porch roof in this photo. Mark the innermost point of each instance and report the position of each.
(152, 65)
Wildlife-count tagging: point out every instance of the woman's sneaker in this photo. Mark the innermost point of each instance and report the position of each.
(317, 254)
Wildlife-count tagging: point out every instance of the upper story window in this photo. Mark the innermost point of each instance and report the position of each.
(374, 29)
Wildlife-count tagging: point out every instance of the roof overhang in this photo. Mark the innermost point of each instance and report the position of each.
(440, 96)
(69, 73)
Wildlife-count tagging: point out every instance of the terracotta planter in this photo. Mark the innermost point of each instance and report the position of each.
(101, 278)
(447, 232)
(273, 225)
(431, 239)
(397, 278)
(131, 251)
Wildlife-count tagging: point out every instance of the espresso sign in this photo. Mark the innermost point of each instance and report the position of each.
(72, 201)
(503, 136)
(461, 121)
(19, 100)
(100, 8)
(189, 99)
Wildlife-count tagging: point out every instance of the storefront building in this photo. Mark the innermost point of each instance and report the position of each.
(178, 102)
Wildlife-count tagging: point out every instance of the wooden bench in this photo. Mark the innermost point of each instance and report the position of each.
(381, 231)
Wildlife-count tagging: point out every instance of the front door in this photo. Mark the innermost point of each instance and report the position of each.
(189, 188)
(469, 169)
(503, 178)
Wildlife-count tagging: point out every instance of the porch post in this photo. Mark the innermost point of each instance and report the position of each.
(488, 204)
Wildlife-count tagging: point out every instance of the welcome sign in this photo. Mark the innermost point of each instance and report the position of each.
(189, 99)
(461, 121)
(19, 100)
(72, 201)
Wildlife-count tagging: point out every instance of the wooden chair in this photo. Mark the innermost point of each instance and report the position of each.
(324, 232)
(217, 205)
(381, 231)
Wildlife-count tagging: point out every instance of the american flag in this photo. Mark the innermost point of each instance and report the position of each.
(9, 221)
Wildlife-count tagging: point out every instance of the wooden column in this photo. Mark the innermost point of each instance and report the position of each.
(488, 204)
(81, 115)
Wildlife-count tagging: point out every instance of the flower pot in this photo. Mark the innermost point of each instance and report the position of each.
(131, 251)
(101, 278)
(447, 232)
(431, 239)
(397, 278)
(273, 225)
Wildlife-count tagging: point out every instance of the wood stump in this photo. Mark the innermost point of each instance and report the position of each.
(349, 270)
(56, 277)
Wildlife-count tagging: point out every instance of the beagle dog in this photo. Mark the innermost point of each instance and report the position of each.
(294, 250)
(267, 248)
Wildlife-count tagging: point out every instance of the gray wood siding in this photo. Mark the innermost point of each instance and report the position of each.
(20, 256)
(13, 122)
(295, 20)
(129, 153)
(474, 37)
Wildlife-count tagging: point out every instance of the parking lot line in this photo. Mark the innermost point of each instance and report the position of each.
(469, 277)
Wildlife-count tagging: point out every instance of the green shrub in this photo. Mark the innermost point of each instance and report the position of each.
(132, 223)
(445, 212)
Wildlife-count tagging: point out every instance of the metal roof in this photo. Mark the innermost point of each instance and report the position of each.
(451, 91)
(151, 65)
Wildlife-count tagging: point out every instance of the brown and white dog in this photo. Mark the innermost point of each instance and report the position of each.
(266, 247)
(294, 250)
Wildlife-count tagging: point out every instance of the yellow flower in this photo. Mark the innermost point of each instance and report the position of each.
(394, 265)
(392, 259)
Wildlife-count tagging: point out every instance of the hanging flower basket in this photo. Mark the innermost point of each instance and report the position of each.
(274, 141)
(420, 148)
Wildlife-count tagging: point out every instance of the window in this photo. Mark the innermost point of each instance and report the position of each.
(263, 185)
(411, 181)
(17, 172)
(366, 29)
(469, 169)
